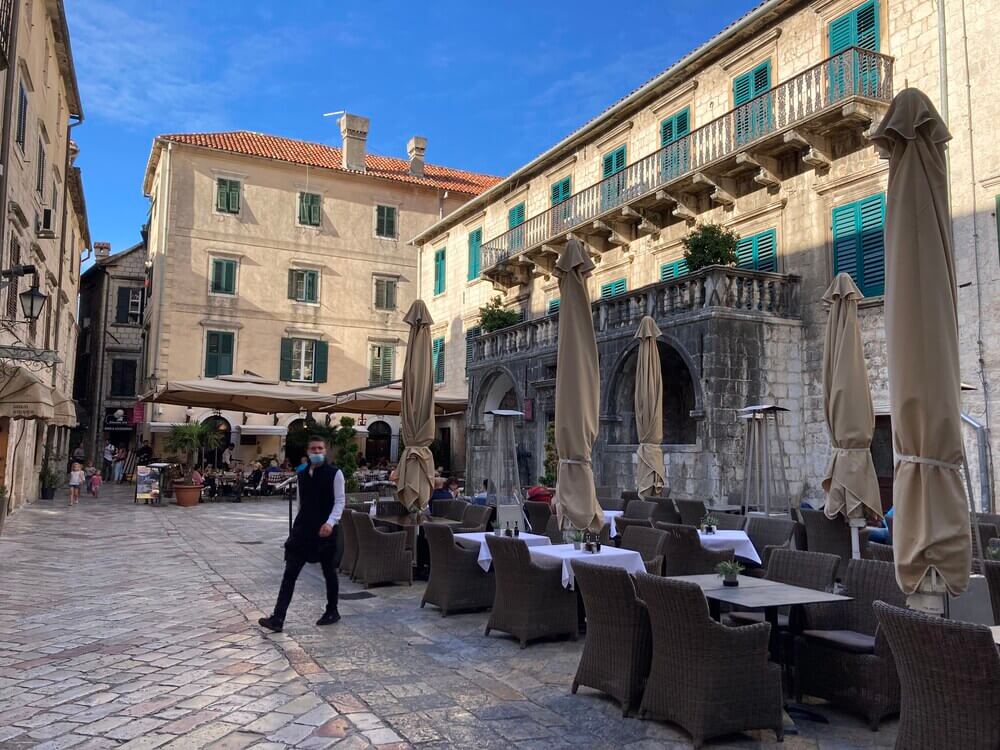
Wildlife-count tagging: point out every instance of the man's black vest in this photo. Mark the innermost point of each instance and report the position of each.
(316, 502)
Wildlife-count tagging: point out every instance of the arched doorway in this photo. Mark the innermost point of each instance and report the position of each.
(378, 443)
(221, 426)
(498, 392)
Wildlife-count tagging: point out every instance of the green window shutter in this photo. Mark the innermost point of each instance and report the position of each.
(234, 196)
(675, 127)
(560, 191)
(439, 271)
(315, 210)
(222, 195)
(614, 162)
(553, 306)
(211, 354)
(321, 358)
(859, 243)
(866, 23)
(846, 233)
(388, 355)
(471, 335)
(375, 367)
(292, 277)
(223, 276)
(613, 288)
(744, 253)
(437, 359)
(842, 33)
(475, 253)
(285, 361)
(754, 120)
(673, 270)
(385, 221)
(310, 291)
(515, 216)
(218, 354)
(303, 208)
(380, 294)
(766, 251)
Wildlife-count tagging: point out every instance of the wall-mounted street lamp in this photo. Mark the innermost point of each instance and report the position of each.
(33, 299)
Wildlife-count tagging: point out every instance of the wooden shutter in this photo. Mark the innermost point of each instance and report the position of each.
(303, 208)
(285, 360)
(234, 196)
(380, 294)
(439, 271)
(673, 270)
(846, 233)
(744, 252)
(613, 288)
(560, 191)
(390, 221)
(312, 286)
(742, 89)
(553, 306)
(866, 26)
(222, 195)
(766, 251)
(675, 127)
(388, 355)
(226, 353)
(515, 216)
(292, 279)
(437, 359)
(871, 219)
(475, 253)
(375, 366)
(211, 354)
(614, 162)
(470, 335)
(22, 116)
(390, 294)
(122, 304)
(321, 356)
(842, 33)
(315, 206)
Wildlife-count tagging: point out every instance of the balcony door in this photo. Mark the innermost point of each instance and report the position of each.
(753, 104)
(852, 72)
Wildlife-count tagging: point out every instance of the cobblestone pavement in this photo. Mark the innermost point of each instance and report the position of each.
(135, 627)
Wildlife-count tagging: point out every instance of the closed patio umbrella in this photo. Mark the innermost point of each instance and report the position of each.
(931, 518)
(416, 464)
(649, 477)
(850, 483)
(578, 384)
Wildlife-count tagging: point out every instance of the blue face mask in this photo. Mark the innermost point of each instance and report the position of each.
(317, 458)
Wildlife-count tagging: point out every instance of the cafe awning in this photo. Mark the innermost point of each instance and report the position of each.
(262, 429)
(64, 410)
(239, 394)
(387, 399)
(23, 395)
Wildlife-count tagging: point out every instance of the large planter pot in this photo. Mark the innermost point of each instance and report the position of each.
(187, 494)
(47, 493)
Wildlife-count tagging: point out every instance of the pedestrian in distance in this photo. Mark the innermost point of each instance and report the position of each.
(76, 479)
(93, 478)
(313, 538)
(109, 459)
(119, 464)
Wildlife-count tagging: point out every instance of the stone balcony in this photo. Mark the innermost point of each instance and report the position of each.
(744, 149)
(756, 294)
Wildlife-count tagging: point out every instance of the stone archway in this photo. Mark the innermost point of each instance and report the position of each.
(220, 425)
(497, 392)
(378, 443)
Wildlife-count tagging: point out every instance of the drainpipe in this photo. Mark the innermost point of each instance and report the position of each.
(161, 276)
(8, 110)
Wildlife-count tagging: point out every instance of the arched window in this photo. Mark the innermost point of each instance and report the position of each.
(379, 442)
(221, 426)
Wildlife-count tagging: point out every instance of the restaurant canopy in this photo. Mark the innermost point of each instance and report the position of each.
(239, 394)
(64, 410)
(24, 396)
(387, 399)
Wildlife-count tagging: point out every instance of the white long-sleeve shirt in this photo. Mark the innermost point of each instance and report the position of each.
(339, 498)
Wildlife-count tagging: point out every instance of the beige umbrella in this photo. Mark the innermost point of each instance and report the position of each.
(649, 478)
(239, 394)
(578, 384)
(850, 483)
(931, 516)
(387, 400)
(416, 464)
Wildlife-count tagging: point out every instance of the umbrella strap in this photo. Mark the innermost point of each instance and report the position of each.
(851, 450)
(575, 461)
(929, 462)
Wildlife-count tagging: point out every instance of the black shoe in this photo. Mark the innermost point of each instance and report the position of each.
(271, 623)
(328, 618)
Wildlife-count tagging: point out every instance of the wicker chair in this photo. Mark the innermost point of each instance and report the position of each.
(350, 557)
(382, 555)
(360, 498)
(842, 656)
(709, 679)
(830, 535)
(683, 554)
(810, 570)
(618, 647)
(390, 507)
(766, 535)
(664, 510)
(648, 542)
(949, 675)
(441, 508)
(530, 600)
(628, 496)
(607, 492)
(456, 511)
(730, 521)
(476, 518)
(553, 532)
(640, 509)
(538, 515)
(692, 511)
(621, 524)
(611, 503)
(456, 582)
(991, 569)
(880, 552)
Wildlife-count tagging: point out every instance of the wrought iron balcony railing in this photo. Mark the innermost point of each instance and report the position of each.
(854, 73)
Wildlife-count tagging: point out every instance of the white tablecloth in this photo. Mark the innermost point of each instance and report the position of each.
(612, 556)
(609, 518)
(485, 558)
(724, 539)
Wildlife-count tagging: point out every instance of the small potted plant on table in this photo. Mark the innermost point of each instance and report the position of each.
(576, 537)
(190, 439)
(709, 523)
(730, 571)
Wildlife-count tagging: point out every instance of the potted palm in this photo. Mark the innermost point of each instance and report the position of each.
(190, 439)
(48, 480)
(730, 571)
(709, 523)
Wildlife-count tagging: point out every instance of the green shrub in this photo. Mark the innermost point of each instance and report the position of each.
(493, 316)
(710, 245)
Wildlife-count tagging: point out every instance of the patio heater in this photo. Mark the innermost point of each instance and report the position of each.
(503, 480)
(760, 477)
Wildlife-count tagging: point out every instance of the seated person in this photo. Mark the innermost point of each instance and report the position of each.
(211, 482)
(303, 464)
(480, 497)
(881, 534)
(196, 476)
(440, 493)
(256, 477)
(453, 487)
(286, 465)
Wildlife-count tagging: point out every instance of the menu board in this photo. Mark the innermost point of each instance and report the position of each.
(147, 483)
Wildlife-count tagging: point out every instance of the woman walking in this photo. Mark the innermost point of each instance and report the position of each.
(76, 478)
(119, 464)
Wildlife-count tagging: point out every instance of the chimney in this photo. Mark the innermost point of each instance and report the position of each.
(416, 147)
(354, 130)
(102, 249)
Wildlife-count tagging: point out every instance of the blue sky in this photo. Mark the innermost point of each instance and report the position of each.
(489, 84)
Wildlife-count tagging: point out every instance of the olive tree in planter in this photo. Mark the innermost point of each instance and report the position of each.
(710, 245)
(190, 439)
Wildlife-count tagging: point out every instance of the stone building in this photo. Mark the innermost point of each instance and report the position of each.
(763, 130)
(43, 223)
(109, 348)
(286, 260)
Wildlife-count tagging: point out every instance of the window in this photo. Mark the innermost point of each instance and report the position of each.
(40, 169)
(439, 271)
(385, 222)
(22, 117)
(123, 377)
(613, 288)
(859, 243)
(675, 147)
(553, 306)
(223, 276)
(758, 252)
(303, 285)
(227, 196)
(128, 310)
(858, 28)
(437, 359)
(380, 371)
(515, 218)
(673, 269)
(385, 294)
(560, 191)
(753, 115)
(219, 353)
(12, 283)
(310, 207)
(475, 253)
(303, 360)
(612, 165)
(471, 334)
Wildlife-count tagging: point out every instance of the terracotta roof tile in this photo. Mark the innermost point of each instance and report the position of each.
(328, 157)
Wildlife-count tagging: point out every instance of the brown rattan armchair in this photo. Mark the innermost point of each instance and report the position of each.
(648, 542)
(628, 496)
(692, 511)
(991, 569)
(622, 524)
(390, 507)
(553, 532)
(949, 674)
(382, 555)
(456, 582)
(880, 552)
(350, 557)
(538, 514)
(830, 535)
(476, 518)
(730, 521)
(683, 554)
(530, 600)
(640, 509)
(456, 510)
(442, 508)
(664, 510)
(707, 678)
(767, 534)
(617, 650)
(841, 656)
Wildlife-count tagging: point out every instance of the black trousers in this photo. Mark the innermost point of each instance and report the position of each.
(293, 566)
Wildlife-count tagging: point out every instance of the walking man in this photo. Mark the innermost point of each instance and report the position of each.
(313, 537)
(109, 458)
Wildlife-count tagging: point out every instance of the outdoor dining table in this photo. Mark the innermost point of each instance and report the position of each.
(609, 519)
(730, 539)
(485, 559)
(566, 554)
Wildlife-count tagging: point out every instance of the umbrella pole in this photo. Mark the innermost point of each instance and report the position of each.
(856, 525)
